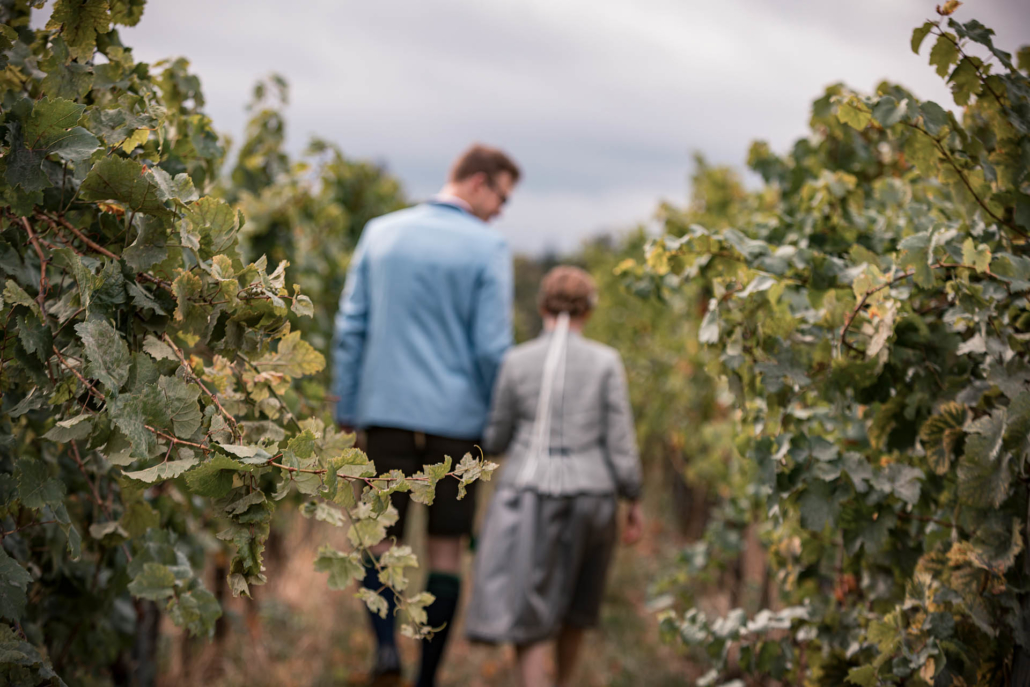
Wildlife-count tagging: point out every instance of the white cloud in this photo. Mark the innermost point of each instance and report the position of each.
(602, 102)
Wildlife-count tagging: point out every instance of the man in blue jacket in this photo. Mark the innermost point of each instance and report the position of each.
(424, 320)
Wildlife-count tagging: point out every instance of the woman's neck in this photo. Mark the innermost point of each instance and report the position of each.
(576, 324)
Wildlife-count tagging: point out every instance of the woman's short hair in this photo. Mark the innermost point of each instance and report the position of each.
(567, 289)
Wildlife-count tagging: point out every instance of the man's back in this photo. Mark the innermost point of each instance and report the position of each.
(423, 322)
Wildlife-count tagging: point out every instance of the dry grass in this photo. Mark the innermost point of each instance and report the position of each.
(298, 632)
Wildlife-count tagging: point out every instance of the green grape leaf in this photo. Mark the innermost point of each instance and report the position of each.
(864, 676)
(127, 414)
(163, 471)
(80, 22)
(36, 488)
(214, 224)
(214, 477)
(139, 517)
(888, 111)
(13, 597)
(854, 113)
(35, 336)
(178, 188)
(155, 582)
(376, 603)
(940, 435)
(944, 53)
(64, 79)
(919, 34)
(107, 353)
(977, 256)
(122, 180)
(126, 12)
(343, 568)
(248, 455)
(294, 358)
(984, 473)
(921, 152)
(965, 81)
(917, 253)
(51, 129)
(196, 610)
(367, 532)
(73, 429)
(180, 402)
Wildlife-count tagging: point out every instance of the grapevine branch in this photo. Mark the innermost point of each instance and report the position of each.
(43, 260)
(289, 414)
(182, 359)
(979, 72)
(965, 181)
(908, 273)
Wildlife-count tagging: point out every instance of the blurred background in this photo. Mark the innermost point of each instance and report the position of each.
(628, 119)
(603, 103)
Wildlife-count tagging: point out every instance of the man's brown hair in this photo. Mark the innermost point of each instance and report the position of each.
(567, 289)
(489, 161)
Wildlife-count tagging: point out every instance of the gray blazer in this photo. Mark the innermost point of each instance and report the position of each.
(593, 443)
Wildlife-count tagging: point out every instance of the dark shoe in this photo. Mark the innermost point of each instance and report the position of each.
(387, 671)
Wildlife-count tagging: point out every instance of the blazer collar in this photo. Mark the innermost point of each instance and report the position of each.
(450, 202)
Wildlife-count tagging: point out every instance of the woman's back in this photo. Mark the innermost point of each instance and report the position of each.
(591, 438)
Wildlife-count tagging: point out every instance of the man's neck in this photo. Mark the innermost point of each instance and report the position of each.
(451, 194)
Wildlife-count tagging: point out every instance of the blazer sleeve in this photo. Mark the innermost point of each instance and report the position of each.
(491, 324)
(620, 435)
(500, 427)
(349, 331)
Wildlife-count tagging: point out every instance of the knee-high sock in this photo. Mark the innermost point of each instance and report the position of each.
(382, 627)
(447, 589)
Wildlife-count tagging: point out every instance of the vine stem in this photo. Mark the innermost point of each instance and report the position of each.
(25, 527)
(936, 521)
(237, 437)
(289, 414)
(59, 221)
(908, 273)
(44, 286)
(965, 181)
(94, 493)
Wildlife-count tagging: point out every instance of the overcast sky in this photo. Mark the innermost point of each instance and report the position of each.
(602, 102)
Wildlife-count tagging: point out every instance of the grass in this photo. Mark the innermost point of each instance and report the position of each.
(298, 632)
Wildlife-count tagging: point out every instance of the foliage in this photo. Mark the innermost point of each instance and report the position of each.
(868, 310)
(143, 364)
(310, 211)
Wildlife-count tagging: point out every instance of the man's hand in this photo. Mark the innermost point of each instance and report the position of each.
(634, 526)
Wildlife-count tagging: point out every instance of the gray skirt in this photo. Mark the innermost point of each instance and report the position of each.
(541, 563)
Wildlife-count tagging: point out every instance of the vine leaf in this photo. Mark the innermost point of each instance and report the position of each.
(80, 22)
(984, 473)
(73, 429)
(343, 568)
(162, 471)
(941, 433)
(214, 477)
(180, 403)
(13, 598)
(294, 357)
(155, 582)
(944, 53)
(36, 488)
(107, 353)
(122, 180)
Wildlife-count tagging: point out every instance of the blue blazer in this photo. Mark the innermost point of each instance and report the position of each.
(424, 320)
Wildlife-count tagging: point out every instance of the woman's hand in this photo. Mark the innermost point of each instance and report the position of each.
(634, 526)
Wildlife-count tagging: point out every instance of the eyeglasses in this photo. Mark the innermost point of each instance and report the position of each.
(501, 195)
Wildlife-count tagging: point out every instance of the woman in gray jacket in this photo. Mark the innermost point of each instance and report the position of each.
(561, 412)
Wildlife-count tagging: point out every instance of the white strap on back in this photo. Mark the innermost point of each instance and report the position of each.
(540, 446)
